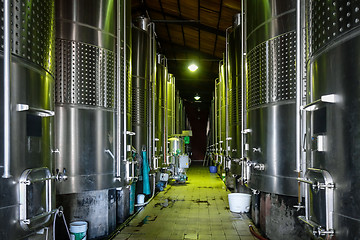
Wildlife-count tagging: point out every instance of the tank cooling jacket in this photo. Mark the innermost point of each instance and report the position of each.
(270, 94)
(85, 93)
(32, 27)
(334, 48)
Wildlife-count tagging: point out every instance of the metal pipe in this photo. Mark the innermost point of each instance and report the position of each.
(165, 115)
(121, 120)
(298, 86)
(173, 106)
(221, 63)
(243, 88)
(150, 90)
(298, 130)
(215, 116)
(226, 90)
(153, 45)
(125, 85)
(118, 93)
(7, 81)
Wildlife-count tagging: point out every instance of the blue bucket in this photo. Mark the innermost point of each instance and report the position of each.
(213, 169)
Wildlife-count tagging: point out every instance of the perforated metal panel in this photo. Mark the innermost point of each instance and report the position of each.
(233, 105)
(331, 19)
(139, 108)
(33, 30)
(85, 74)
(271, 71)
(239, 100)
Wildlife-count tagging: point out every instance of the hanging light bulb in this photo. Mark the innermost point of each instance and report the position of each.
(197, 97)
(193, 67)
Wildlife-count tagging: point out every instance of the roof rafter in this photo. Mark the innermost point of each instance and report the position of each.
(166, 25)
(176, 47)
(216, 38)
(182, 27)
(194, 24)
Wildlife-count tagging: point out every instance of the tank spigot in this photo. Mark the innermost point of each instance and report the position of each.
(259, 166)
(61, 176)
(256, 166)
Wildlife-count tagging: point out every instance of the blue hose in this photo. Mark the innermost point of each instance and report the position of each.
(132, 198)
(146, 170)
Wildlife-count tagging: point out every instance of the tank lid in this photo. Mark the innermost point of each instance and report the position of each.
(236, 20)
(143, 22)
(160, 58)
(173, 139)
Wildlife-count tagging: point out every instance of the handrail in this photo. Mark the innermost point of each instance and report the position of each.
(7, 80)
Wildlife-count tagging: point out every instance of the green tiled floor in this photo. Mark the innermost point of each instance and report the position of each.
(198, 209)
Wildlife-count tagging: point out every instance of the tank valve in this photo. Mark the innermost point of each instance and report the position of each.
(256, 166)
(61, 176)
(259, 166)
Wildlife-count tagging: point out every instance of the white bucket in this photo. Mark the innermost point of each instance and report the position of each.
(239, 202)
(78, 230)
(140, 198)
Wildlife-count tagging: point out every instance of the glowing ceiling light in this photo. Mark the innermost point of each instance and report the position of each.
(197, 97)
(193, 67)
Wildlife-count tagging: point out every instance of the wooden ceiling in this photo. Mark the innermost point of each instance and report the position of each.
(190, 30)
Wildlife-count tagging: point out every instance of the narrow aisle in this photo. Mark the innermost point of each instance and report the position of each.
(198, 209)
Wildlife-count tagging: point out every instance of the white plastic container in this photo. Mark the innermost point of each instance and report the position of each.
(78, 230)
(239, 202)
(140, 198)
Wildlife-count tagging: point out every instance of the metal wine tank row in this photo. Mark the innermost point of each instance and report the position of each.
(332, 113)
(86, 110)
(170, 104)
(216, 118)
(179, 114)
(211, 133)
(124, 134)
(140, 75)
(27, 72)
(271, 93)
(223, 101)
(234, 57)
(271, 116)
(161, 111)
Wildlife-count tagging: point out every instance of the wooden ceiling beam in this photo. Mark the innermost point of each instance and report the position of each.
(182, 27)
(176, 48)
(216, 38)
(166, 25)
(195, 24)
(199, 21)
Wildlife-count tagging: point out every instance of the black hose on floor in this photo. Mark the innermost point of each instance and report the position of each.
(124, 224)
(251, 228)
(127, 221)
